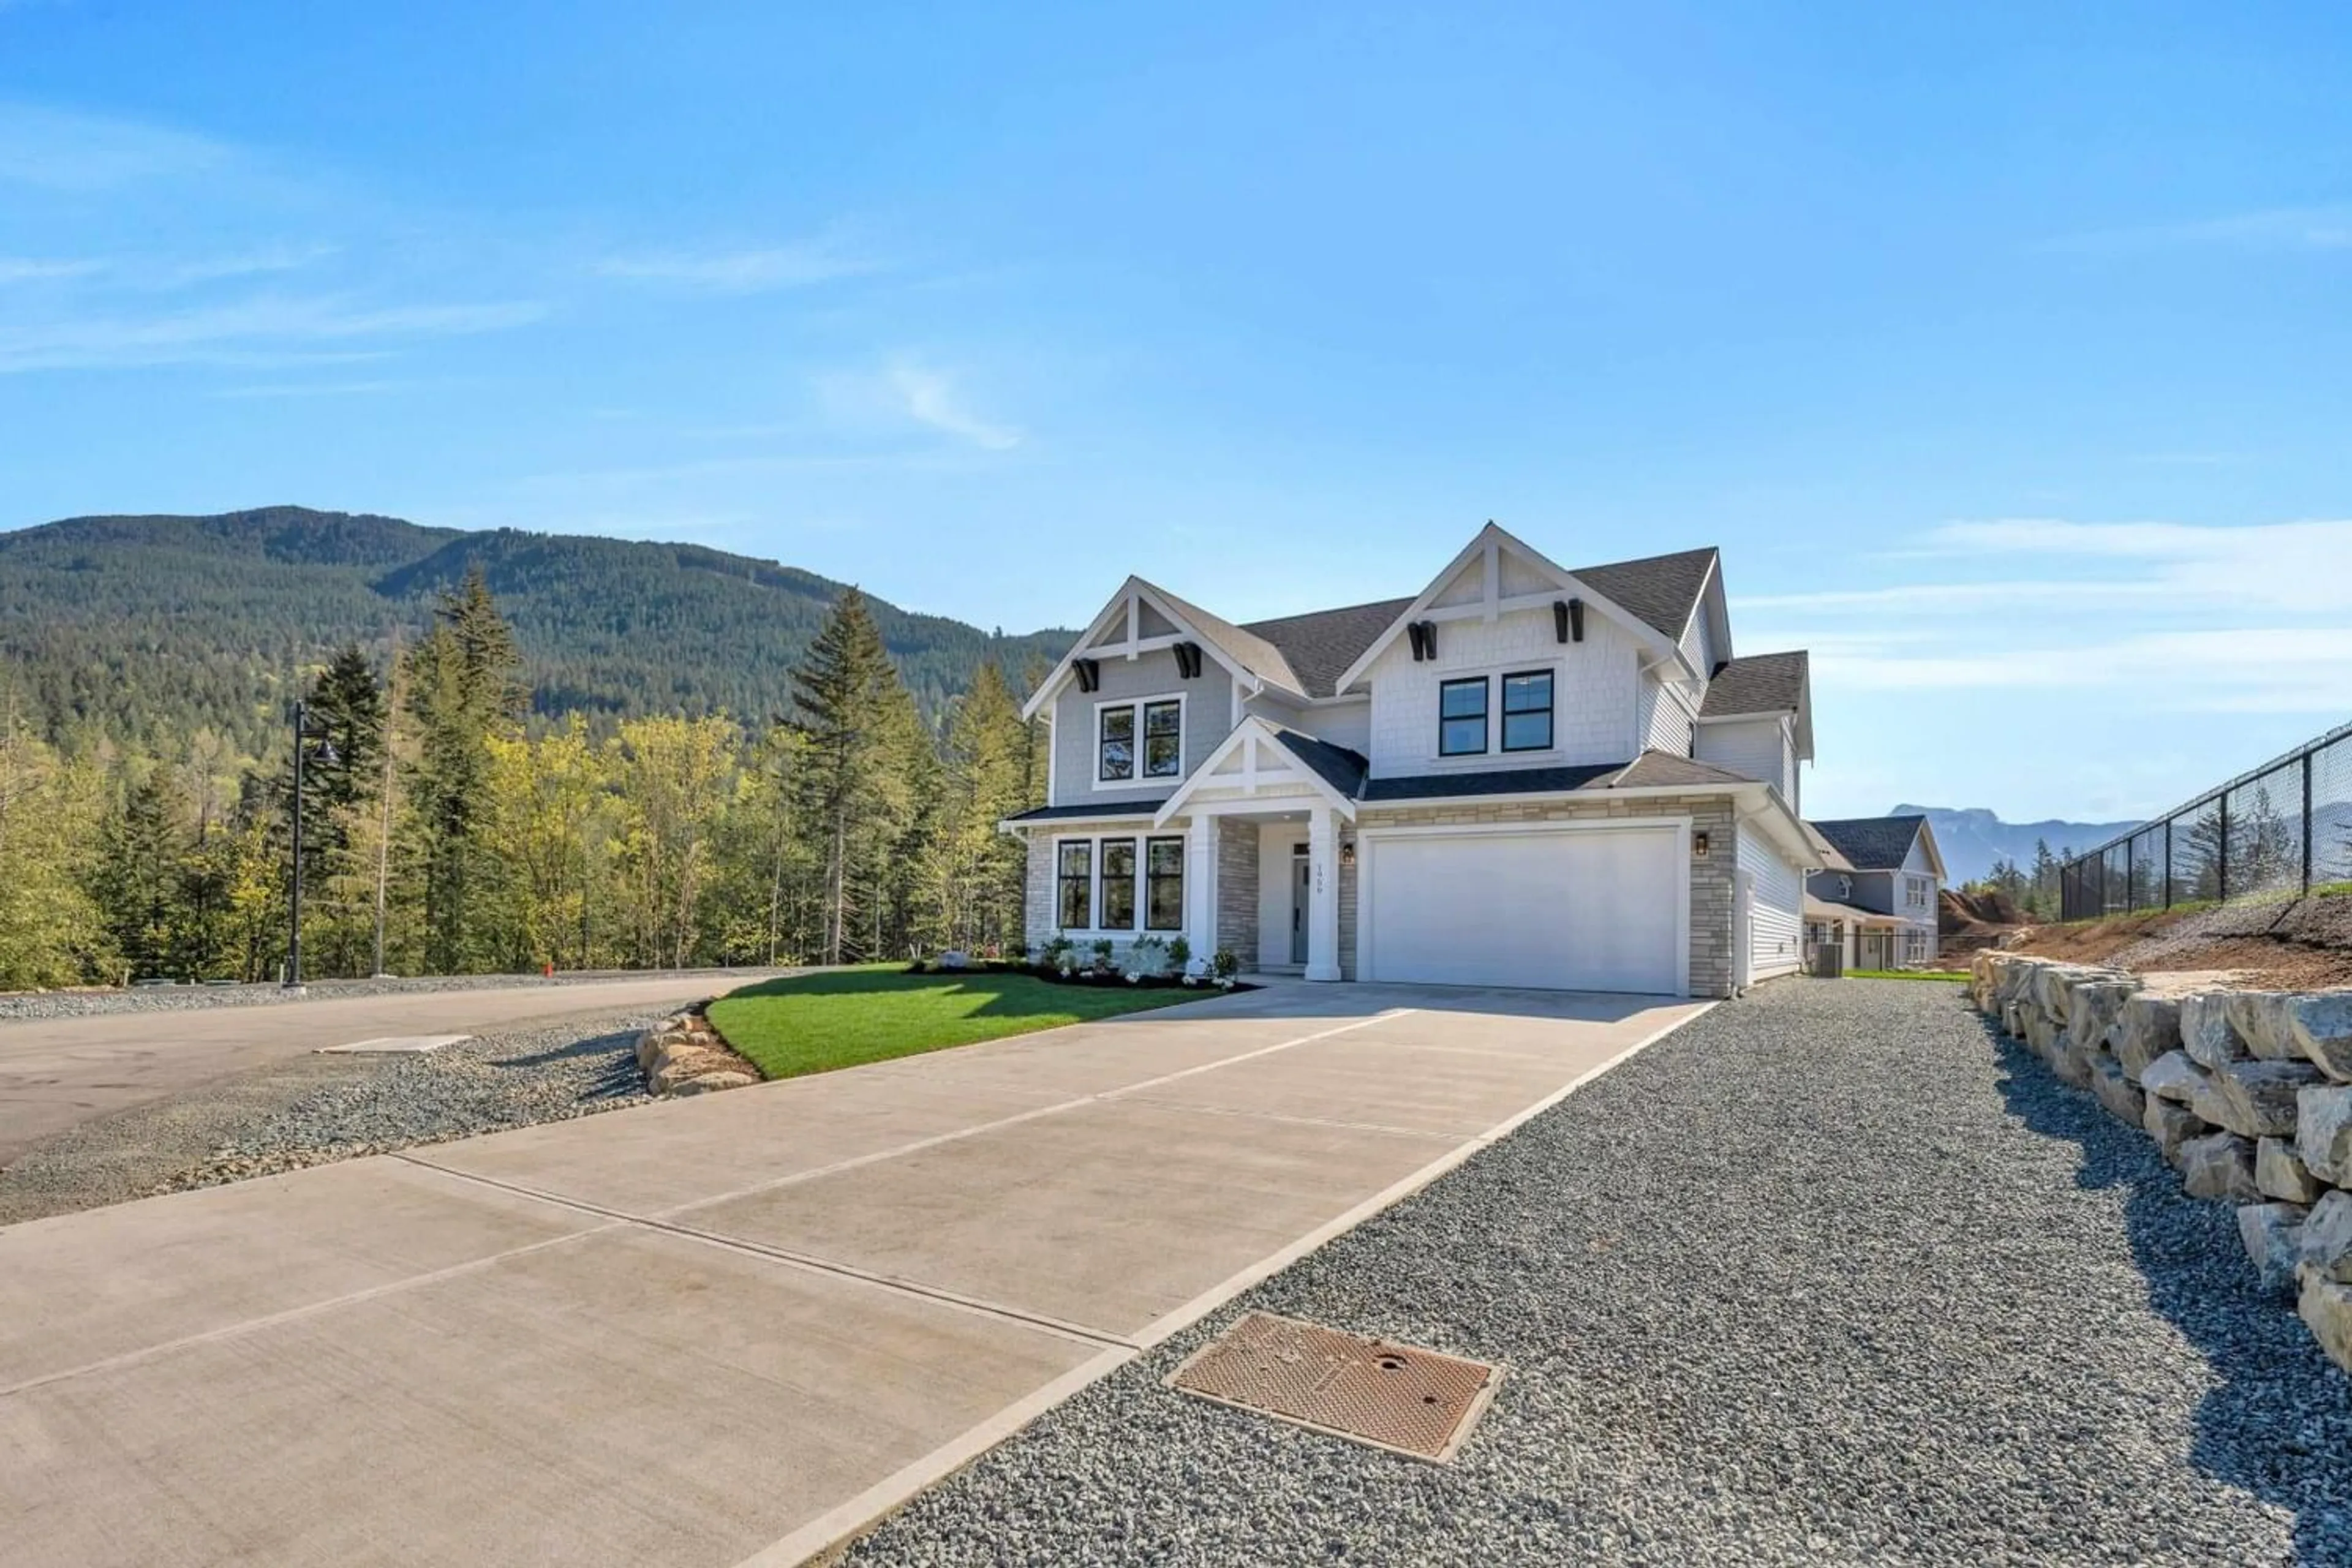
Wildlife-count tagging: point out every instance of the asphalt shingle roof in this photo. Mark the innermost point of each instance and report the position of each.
(1760, 683)
(1057, 812)
(1322, 644)
(1873, 843)
(1651, 770)
(1319, 645)
(1661, 589)
(1338, 766)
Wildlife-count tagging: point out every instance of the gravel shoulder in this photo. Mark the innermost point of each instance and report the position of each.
(1830, 1275)
(191, 998)
(311, 1110)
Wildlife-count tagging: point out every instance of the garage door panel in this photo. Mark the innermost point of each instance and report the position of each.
(1570, 910)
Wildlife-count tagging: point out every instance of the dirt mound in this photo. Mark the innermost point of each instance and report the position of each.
(2283, 944)
(1956, 911)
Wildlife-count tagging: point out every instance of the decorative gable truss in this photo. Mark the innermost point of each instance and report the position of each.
(1496, 574)
(1141, 618)
(1256, 768)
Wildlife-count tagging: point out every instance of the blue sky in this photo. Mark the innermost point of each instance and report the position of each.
(2004, 350)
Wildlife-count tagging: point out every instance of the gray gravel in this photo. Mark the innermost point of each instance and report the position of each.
(317, 1109)
(175, 998)
(1829, 1276)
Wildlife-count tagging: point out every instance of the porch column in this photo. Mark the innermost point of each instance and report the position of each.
(1201, 886)
(1323, 894)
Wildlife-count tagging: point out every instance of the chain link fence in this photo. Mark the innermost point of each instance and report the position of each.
(2283, 831)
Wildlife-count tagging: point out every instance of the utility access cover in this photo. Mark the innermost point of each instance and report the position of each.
(1399, 1397)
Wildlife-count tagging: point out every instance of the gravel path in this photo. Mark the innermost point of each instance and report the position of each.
(1828, 1277)
(317, 1109)
(177, 998)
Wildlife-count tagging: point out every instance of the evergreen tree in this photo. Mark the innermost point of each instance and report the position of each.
(462, 694)
(975, 868)
(50, 929)
(142, 860)
(850, 699)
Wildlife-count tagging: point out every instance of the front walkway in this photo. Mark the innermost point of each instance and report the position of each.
(729, 1328)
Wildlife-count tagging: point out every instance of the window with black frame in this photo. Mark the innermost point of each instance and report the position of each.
(1163, 739)
(1116, 743)
(1462, 718)
(1527, 711)
(1163, 884)
(1075, 878)
(1118, 885)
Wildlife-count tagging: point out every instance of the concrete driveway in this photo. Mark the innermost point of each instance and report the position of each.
(729, 1329)
(56, 1073)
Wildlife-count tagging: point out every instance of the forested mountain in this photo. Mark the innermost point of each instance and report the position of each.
(142, 630)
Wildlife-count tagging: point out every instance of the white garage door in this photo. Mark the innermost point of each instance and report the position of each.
(1578, 911)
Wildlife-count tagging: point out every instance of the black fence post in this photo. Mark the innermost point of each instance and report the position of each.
(2221, 851)
(2167, 862)
(2306, 825)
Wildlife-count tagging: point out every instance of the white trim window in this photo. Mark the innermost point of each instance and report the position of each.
(1138, 740)
(1074, 884)
(1916, 892)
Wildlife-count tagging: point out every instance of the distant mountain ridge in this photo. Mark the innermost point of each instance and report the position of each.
(144, 628)
(1973, 839)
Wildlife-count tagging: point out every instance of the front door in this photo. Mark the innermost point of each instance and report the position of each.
(1300, 890)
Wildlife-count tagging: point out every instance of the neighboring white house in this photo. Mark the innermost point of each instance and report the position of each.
(1519, 775)
(1876, 894)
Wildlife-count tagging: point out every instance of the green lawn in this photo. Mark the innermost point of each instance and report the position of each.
(1946, 974)
(842, 1017)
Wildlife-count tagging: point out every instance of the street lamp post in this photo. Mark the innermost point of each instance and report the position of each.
(306, 730)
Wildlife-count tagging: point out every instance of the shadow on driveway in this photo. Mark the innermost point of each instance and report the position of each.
(2280, 1423)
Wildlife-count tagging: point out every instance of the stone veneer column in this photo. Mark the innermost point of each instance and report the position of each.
(1236, 889)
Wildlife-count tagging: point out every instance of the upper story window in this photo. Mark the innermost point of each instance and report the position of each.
(1527, 711)
(1161, 727)
(1916, 892)
(1462, 718)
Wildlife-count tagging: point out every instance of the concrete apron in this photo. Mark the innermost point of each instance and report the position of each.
(728, 1329)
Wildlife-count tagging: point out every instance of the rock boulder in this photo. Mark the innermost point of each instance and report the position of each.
(2325, 1309)
(2257, 1097)
(2323, 1132)
(2260, 1018)
(2320, 1026)
(2220, 1165)
(2172, 1126)
(2206, 1032)
(2283, 1176)
(2273, 1235)
(2147, 1028)
(2122, 1096)
(2172, 1077)
(2326, 1246)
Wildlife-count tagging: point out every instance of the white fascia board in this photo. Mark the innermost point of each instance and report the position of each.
(1094, 628)
(1492, 537)
(1935, 856)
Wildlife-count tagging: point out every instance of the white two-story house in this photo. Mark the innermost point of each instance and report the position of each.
(1520, 776)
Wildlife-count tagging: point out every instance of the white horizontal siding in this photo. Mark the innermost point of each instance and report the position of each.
(1776, 912)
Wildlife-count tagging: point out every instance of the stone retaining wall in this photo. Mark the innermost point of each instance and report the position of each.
(2248, 1093)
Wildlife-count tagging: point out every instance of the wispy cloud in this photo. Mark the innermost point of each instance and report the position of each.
(2182, 617)
(306, 389)
(60, 150)
(225, 332)
(799, 264)
(33, 269)
(2322, 226)
(932, 397)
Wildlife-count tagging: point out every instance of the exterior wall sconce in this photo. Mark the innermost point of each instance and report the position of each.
(1348, 852)
(1698, 846)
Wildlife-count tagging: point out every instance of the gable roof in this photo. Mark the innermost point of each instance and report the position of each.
(1873, 843)
(1321, 644)
(1338, 766)
(1760, 683)
(1662, 589)
(1246, 647)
